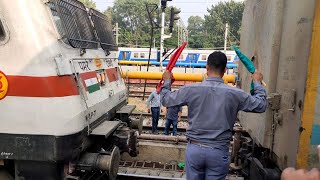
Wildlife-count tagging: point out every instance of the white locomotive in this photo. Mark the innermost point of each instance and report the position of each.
(63, 104)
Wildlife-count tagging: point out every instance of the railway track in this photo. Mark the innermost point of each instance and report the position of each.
(147, 123)
(136, 86)
(137, 114)
(145, 167)
(138, 92)
(150, 170)
(174, 170)
(158, 158)
(151, 84)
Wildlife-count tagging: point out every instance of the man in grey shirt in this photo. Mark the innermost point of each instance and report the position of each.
(154, 102)
(212, 111)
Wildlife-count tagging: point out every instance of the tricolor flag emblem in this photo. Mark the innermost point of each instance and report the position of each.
(90, 81)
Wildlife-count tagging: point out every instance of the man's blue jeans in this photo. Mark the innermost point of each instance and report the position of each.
(155, 111)
(174, 126)
(206, 163)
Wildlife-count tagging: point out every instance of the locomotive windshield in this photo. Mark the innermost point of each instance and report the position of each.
(2, 33)
(104, 30)
(58, 22)
(73, 23)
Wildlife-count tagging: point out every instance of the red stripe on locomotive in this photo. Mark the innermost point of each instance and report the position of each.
(52, 86)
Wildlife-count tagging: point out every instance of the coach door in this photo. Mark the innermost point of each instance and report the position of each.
(193, 57)
(124, 55)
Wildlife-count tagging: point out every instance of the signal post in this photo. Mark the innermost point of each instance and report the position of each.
(173, 16)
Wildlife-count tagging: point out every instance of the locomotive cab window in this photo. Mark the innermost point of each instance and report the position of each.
(58, 23)
(72, 21)
(2, 32)
(104, 30)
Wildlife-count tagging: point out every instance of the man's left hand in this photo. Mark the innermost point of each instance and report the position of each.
(166, 75)
(319, 152)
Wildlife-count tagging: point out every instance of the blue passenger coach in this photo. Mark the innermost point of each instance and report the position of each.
(187, 56)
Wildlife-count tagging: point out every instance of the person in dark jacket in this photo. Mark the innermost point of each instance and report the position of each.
(173, 116)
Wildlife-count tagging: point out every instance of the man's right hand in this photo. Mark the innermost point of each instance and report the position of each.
(257, 76)
(166, 75)
(301, 174)
(319, 152)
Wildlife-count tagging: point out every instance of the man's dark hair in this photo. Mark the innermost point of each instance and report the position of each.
(217, 61)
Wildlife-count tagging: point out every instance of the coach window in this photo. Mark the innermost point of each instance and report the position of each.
(153, 55)
(229, 58)
(135, 55)
(181, 56)
(142, 55)
(204, 57)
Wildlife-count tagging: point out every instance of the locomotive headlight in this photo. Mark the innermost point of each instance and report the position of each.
(4, 85)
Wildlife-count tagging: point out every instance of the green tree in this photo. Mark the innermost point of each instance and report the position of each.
(131, 15)
(196, 32)
(224, 12)
(133, 21)
(109, 13)
(89, 3)
(195, 25)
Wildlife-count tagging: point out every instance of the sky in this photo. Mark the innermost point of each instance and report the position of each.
(188, 7)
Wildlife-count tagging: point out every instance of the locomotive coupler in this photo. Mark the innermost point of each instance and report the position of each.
(126, 139)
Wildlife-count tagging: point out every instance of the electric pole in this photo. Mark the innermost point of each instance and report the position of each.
(117, 34)
(178, 36)
(163, 9)
(226, 38)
